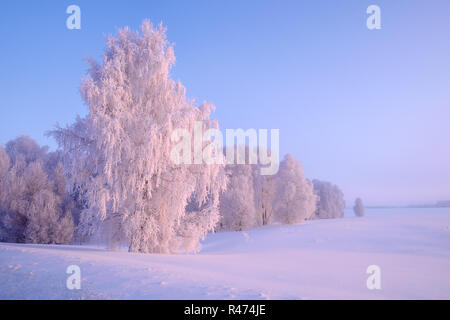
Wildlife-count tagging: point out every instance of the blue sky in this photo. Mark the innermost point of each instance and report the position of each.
(366, 109)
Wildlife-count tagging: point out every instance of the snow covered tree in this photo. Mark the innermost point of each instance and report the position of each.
(295, 200)
(358, 208)
(264, 186)
(121, 151)
(45, 220)
(248, 200)
(331, 201)
(34, 207)
(237, 204)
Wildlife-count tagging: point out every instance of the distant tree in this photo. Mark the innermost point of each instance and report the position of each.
(295, 200)
(121, 151)
(443, 204)
(358, 208)
(331, 201)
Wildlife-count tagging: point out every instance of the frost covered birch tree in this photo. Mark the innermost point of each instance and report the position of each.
(237, 204)
(264, 196)
(121, 151)
(248, 200)
(330, 202)
(295, 200)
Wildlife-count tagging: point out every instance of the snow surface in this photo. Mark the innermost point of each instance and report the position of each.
(320, 259)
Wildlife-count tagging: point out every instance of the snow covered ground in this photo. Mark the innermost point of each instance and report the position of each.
(322, 259)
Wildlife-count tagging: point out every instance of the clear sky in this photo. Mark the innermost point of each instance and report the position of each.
(366, 109)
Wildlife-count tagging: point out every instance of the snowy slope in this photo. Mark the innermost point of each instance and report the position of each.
(322, 259)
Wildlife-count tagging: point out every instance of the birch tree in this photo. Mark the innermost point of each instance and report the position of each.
(330, 202)
(121, 151)
(295, 200)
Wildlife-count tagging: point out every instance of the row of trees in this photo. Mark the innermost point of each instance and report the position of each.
(38, 205)
(288, 197)
(113, 177)
(253, 200)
